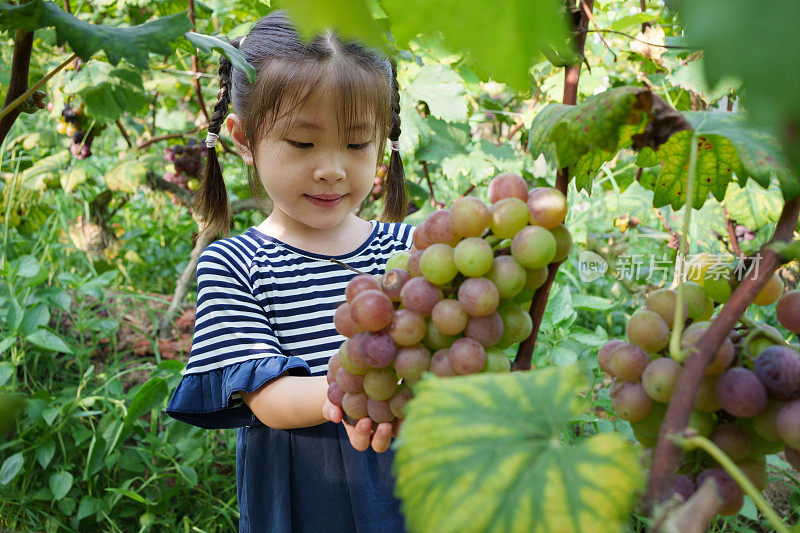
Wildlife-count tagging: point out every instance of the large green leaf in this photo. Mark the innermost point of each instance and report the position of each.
(109, 91)
(350, 18)
(757, 43)
(727, 146)
(148, 396)
(488, 453)
(444, 140)
(501, 38)
(133, 44)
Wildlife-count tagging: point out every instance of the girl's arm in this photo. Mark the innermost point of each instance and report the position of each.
(289, 402)
(296, 402)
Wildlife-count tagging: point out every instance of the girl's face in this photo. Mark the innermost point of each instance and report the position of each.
(314, 175)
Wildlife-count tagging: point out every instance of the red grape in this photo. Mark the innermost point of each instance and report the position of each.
(408, 328)
(420, 295)
(628, 362)
(440, 364)
(355, 405)
(732, 440)
(379, 411)
(647, 330)
(378, 349)
(469, 216)
(449, 317)
(343, 321)
(372, 310)
(660, 377)
(335, 394)
(729, 490)
(478, 296)
(349, 382)
(392, 283)
(631, 402)
(788, 311)
(487, 330)
(507, 185)
(778, 368)
(439, 228)
(360, 283)
(741, 393)
(398, 402)
(604, 353)
(411, 362)
(788, 424)
(547, 206)
(466, 356)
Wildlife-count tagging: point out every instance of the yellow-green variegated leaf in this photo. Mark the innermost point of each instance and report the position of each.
(490, 453)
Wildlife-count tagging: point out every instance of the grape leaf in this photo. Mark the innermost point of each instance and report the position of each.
(485, 453)
(209, 43)
(109, 91)
(754, 42)
(584, 136)
(350, 18)
(501, 38)
(134, 44)
(443, 140)
(752, 206)
(727, 146)
(440, 88)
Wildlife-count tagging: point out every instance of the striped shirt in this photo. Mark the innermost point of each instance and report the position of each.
(259, 297)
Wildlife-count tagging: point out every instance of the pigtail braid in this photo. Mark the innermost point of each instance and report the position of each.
(395, 198)
(211, 201)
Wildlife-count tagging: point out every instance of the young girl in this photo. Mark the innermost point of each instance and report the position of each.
(314, 125)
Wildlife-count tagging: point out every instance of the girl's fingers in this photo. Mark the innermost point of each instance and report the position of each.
(360, 434)
(382, 438)
(332, 412)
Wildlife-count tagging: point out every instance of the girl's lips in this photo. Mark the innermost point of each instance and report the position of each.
(324, 200)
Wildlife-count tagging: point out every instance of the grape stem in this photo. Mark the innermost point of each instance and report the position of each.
(667, 453)
(757, 329)
(677, 331)
(699, 442)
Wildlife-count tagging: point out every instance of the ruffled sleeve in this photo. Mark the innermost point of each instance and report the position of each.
(210, 399)
(234, 347)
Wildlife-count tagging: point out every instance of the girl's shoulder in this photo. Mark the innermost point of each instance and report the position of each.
(398, 233)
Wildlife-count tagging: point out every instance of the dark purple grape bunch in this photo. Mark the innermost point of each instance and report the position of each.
(186, 163)
(81, 144)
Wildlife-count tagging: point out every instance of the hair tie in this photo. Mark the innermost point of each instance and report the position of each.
(211, 140)
(394, 146)
(241, 43)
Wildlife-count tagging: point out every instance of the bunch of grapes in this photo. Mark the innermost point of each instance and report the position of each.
(378, 184)
(451, 304)
(185, 163)
(749, 401)
(71, 124)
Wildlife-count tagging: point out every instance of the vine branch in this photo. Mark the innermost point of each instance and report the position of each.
(667, 453)
(20, 65)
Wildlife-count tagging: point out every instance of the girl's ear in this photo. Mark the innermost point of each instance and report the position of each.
(234, 125)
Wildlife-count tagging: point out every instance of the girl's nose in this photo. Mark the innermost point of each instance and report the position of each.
(330, 169)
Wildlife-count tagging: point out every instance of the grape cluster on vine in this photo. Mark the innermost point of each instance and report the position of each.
(72, 124)
(451, 304)
(748, 403)
(185, 163)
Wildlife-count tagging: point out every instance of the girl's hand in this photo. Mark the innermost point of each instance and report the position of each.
(362, 435)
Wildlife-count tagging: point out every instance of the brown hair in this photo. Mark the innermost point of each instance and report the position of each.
(288, 70)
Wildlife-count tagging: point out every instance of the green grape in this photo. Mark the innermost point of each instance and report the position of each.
(437, 264)
(496, 361)
(563, 242)
(533, 247)
(473, 257)
(508, 216)
(398, 260)
(647, 330)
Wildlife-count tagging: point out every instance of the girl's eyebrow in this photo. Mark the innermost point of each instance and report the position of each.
(303, 124)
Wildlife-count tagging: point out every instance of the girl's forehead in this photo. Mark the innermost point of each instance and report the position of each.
(321, 112)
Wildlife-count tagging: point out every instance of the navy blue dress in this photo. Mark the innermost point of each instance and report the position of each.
(265, 309)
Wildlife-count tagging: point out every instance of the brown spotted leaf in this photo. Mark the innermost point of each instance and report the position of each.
(727, 148)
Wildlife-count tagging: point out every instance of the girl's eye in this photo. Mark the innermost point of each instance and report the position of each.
(297, 144)
(360, 146)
